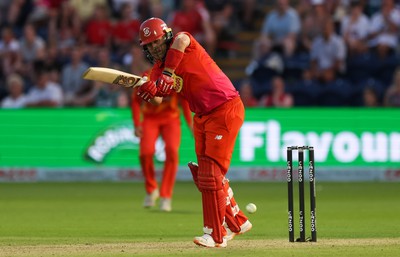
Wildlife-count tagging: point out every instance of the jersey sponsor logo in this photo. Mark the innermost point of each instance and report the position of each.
(218, 137)
(178, 85)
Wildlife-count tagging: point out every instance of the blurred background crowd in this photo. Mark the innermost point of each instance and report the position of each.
(277, 53)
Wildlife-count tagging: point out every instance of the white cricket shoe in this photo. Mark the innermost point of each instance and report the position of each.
(165, 204)
(206, 240)
(243, 229)
(150, 199)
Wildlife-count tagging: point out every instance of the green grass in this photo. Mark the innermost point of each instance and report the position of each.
(107, 219)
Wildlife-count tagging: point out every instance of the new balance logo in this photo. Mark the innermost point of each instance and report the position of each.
(218, 137)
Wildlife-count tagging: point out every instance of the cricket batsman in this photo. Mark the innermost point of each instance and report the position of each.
(150, 121)
(180, 64)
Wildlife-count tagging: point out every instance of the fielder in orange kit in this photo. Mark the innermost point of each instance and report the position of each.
(182, 65)
(151, 121)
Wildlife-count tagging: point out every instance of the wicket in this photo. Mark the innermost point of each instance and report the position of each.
(302, 225)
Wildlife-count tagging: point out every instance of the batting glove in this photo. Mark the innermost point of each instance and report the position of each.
(147, 91)
(165, 83)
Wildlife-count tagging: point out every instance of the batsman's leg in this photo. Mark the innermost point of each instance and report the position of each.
(236, 221)
(214, 200)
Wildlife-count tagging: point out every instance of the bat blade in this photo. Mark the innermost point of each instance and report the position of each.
(113, 76)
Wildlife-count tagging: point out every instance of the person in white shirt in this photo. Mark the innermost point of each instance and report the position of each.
(45, 93)
(384, 28)
(31, 44)
(16, 97)
(355, 29)
(328, 54)
(281, 27)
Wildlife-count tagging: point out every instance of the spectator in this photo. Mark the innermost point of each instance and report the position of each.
(44, 93)
(46, 58)
(312, 14)
(278, 97)
(384, 29)
(99, 28)
(117, 6)
(18, 14)
(71, 79)
(144, 9)
(392, 95)
(281, 27)
(354, 29)
(64, 26)
(194, 18)
(246, 94)
(264, 66)
(30, 44)
(370, 97)
(248, 12)
(105, 95)
(160, 9)
(85, 9)
(135, 61)
(52, 58)
(328, 54)
(9, 52)
(125, 30)
(226, 26)
(100, 56)
(110, 96)
(16, 98)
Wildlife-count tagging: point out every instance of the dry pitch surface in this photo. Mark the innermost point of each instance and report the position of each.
(338, 247)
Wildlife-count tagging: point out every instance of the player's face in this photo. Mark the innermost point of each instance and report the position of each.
(157, 48)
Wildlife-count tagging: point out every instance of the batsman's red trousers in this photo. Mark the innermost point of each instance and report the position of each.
(215, 134)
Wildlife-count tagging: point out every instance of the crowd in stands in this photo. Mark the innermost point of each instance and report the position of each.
(329, 52)
(309, 52)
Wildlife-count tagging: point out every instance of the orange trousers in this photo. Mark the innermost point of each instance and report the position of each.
(170, 131)
(215, 134)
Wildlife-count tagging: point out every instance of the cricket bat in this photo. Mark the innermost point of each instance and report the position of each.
(113, 76)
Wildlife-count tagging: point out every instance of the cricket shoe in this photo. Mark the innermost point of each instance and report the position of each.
(245, 227)
(206, 240)
(150, 199)
(165, 204)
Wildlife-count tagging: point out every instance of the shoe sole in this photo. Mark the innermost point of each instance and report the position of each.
(248, 228)
(215, 246)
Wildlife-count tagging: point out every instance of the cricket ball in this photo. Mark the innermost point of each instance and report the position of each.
(251, 208)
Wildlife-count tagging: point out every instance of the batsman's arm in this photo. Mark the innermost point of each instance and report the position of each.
(174, 57)
(175, 53)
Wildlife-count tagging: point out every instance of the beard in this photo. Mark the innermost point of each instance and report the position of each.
(159, 52)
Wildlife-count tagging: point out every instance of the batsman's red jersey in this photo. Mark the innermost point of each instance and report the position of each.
(205, 86)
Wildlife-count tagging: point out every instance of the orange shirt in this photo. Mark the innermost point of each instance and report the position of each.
(205, 86)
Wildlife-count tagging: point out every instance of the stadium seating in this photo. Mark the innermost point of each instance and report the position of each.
(305, 93)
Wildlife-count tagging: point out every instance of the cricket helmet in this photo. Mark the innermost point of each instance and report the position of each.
(153, 29)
